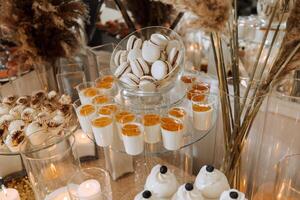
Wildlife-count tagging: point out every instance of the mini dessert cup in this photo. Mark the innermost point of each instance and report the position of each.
(133, 138)
(122, 117)
(106, 84)
(108, 109)
(103, 129)
(151, 124)
(186, 81)
(202, 113)
(102, 99)
(202, 86)
(172, 133)
(181, 114)
(85, 113)
(193, 92)
(86, 92)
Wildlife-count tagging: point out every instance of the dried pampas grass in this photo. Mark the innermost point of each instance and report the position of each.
(41, 30)
(213, 14)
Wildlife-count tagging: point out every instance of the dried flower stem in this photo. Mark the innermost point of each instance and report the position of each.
(225, 111)
(177, 20)
(258, 56)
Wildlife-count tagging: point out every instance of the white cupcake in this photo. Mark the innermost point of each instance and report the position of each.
(43, 117)
(17, 111)
(4, 109)
(6, 119)
(28, 114)
(14, 140)
(52, 95)
(36, 133)
(187, 192)
(232, 194)
(16, 125)
(211, 182)
(65, 99)
(161, 182)
(9, 100)
(146, 194)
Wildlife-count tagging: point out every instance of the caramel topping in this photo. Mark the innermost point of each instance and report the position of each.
(90, 92)
(102, 122)
(177, 112)
(125, 117)
(171, 124)
(201, 86)
(131, 130)
(108, 109)
(151, 119)
(87, 110)
(101, 99)
(198, 98)
(194, 92)
(201, 108)
(104, 85)
(108, 79)
(188, 79)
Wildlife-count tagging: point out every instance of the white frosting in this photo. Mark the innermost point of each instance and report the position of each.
(140, 197)
(43, 117)
(4, 110)
(183, 194)
(65, 99)
(16, 125)
(28, 114)
(33, 128)
(16, 111)
(211, 184)
(161, 185)
(6, 118)
(52, 94)
(57, 120)
(226, 195)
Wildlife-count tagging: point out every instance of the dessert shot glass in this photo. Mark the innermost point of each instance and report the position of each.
(151, 122)
(86, 92)
(172, 133)
(85, 113)
(102, 99)
(106, 82)
(103, 130)
(133, 138)
(181, 114)
(203, 112)
(122, 117)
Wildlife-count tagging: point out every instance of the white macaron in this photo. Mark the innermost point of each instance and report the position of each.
(172, 44)
(147, 83)
(120, 57)
(160, 69)
(134, 54)
(124, 68)
(139, 67)
(150, 52)
(134, 43)
(175, 57)
(130, 80)
(160, 40)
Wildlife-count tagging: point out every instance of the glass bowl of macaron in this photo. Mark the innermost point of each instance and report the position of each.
(148, 61)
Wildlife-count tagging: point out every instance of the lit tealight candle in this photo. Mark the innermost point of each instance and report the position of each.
(9, 194)
(89, 190)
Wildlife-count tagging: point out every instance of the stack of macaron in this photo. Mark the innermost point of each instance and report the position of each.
(210, 184)
(148, 65)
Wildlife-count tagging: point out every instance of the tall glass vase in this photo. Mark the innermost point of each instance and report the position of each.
(241, 177)
(280, 136)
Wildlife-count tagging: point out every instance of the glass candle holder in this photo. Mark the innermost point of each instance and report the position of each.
(50, 165)
(90, 184)
(287, 182)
